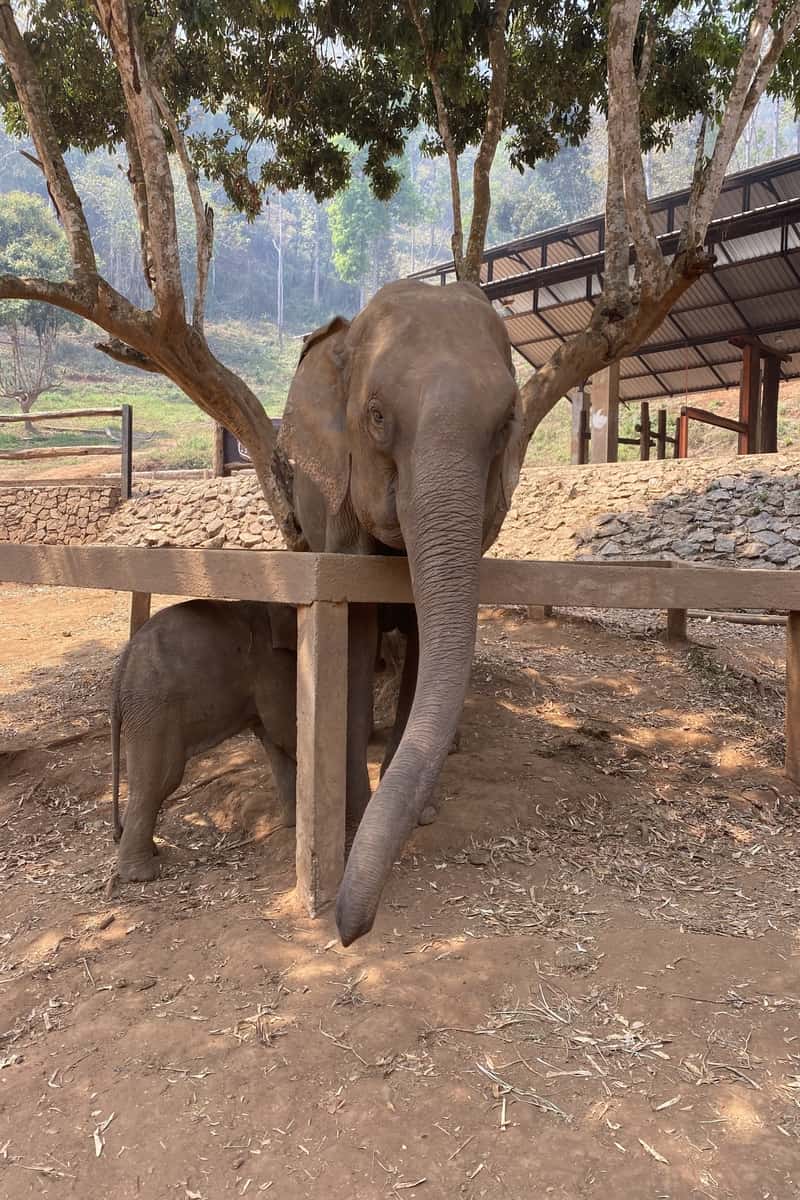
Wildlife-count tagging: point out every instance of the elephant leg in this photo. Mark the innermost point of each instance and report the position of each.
(408, 685)
(155, 768)
(284, 772)
(362, 631)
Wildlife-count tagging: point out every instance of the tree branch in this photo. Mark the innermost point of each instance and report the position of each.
(481, 172)
(118, 21)
(37, 117)
(122, 353)
(752, 75)
(68, 294)
(443, 119)
(136, 180)
(646, 61)
(203, 213)
(624, 128)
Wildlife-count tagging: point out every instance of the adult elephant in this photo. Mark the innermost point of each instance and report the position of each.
(401, 426)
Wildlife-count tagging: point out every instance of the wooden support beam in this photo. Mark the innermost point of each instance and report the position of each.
(748, 399)
(682, 435)
(303, 578)
(792, 765)
(644, 431)
(769, 404)
(8, 419)
(140, 611)
(321, 751)
(57, 452)
(218, 458)
(579, 402)
(661, 434)
(605, 415)
(676, 624)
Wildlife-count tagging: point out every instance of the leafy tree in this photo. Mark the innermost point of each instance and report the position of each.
(303, 78)
(30, 244)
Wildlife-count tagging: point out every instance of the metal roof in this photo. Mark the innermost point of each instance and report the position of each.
(548, 283)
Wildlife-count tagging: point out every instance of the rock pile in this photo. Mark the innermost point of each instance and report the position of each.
(55, 514)
(209, 513)
(739, 510)
(742, 510)
(754, 518)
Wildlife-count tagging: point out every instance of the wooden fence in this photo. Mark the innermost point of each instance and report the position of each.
(125, 449)
(322, 586)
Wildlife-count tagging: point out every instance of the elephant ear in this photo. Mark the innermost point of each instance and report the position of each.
(314, 427)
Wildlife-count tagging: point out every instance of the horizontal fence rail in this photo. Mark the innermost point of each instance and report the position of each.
(124, 449)
(280, 575)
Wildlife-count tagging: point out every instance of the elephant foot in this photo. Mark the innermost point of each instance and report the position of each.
(428, 815)
(140, 871)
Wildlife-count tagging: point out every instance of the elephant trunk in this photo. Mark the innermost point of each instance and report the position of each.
(444, 575)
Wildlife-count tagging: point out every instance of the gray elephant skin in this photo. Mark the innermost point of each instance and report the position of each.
(403, 427)
(192, 676)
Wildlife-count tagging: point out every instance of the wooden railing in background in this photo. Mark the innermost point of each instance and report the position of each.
(125, 448)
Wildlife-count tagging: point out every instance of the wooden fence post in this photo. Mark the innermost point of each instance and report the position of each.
(140, 611)
(644, 431)
(676, 624)
(792, 762)
(661, 435)
(218, 462)
(126, 467)
(321, 750)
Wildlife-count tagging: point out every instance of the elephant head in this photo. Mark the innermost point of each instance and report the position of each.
(405, 422)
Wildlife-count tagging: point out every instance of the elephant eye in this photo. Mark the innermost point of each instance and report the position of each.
(376, 416)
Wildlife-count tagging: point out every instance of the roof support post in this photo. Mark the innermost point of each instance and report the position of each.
(605, 414)
(748, 398)
(769, 404)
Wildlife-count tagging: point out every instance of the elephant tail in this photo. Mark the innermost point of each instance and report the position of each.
(116, 726)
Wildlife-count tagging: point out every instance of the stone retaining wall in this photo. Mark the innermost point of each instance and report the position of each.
(735, 510)
(60, 514)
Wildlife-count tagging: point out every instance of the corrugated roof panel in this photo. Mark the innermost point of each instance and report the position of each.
(718, 352)
(703, 291)
(532, 257)
(729, 203)
(666, 332)
(787, 184)
(673, 360)
(698, 378)
(718, 318)
(754, 245)
(505, 268)
(771, 310)
(641, 388)
(527, 328)
(570, 318)
(563, 293)
(544, 350)
(730, 372)
(757, 278)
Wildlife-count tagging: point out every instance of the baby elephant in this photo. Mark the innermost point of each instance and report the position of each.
(192, 676)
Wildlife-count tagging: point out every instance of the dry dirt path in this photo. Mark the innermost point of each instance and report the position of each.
(583, 981)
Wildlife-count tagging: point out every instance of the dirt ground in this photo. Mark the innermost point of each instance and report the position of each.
(583, 981)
